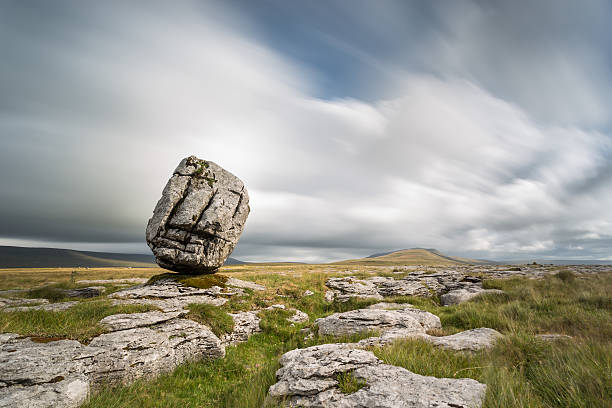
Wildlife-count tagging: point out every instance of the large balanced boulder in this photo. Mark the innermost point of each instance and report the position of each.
(199, 218)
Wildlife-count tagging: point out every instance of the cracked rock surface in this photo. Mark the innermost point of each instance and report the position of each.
(169, 295)
(396, 321)
(453, 286)
(364, 320)
(60, 373)
(199, 218)
(308, 378)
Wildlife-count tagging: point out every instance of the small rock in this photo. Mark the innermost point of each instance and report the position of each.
(463, 295)
(308, 293)
(244, 284)
(298, 317)
(21, 301)
(553, 337)
(50, 307)
(469, 340)
(112, 281)
(88, 292)
(245, 325)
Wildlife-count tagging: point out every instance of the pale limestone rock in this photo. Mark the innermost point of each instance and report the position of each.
(308, 378)
(245, 325)
(199, 218)
(244, 284)
(49, 307)
(148, 351)
(463, 295)
(364, 320)
(132, 320)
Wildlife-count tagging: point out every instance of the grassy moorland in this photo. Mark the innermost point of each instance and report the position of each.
(520, 371)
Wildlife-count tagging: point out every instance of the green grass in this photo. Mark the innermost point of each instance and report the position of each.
(212, 316)
(80, 322)
(348, 384)
(520, 371)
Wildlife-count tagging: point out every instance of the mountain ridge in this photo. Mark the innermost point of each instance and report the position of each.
(40, 257)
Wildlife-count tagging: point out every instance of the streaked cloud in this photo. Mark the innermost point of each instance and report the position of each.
(95, 112)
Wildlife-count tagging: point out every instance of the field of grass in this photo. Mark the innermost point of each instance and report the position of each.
(520, 371)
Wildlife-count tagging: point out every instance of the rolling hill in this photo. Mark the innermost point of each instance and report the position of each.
(22, 257)
(414, 256)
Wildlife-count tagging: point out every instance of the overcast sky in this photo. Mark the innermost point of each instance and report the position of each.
(479, 128)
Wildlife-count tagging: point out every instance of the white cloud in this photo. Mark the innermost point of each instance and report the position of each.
(445, 164)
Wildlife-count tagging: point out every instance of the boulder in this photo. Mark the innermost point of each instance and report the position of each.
(245, 325)
(148, 351)
(199, 218)
(469, 340)
(364, 320)
(309, 378)
(457, 296)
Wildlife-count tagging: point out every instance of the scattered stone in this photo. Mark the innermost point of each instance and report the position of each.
(469, 340)
(364, 320)
(308, 378)
(308, 293)
(199, 218)
(89, 292)
(49, 307)
(244, 284)
(345, 288)
(307, 333)
(245, 324)
(21, 301)
(457, 296)
(298, 317)
(112, 281)
(553, 337)
(132, 320)
(452, 286)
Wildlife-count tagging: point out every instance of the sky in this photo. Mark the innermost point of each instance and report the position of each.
(480, 128)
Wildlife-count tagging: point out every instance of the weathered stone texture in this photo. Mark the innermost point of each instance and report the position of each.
(199, 218)
(308, 378)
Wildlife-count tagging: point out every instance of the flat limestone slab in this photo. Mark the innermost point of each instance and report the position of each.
(308, 378)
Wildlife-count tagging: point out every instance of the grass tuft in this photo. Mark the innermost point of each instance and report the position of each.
(348, 383)
(212, 316)
(80, 322)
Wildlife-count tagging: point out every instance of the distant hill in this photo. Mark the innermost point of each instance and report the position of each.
(413, 256)
(22, 257)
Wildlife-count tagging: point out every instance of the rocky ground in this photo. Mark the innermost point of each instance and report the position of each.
(47, 372)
